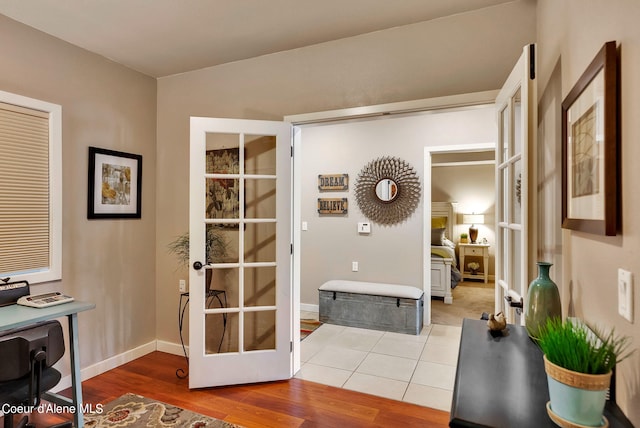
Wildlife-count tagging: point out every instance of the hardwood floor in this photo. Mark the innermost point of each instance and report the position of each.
(292, 403)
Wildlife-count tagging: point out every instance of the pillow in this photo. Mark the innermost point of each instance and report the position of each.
(447, 243)
(438, 222)
(437, 236)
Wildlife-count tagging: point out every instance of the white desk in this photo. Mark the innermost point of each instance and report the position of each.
(15, 316)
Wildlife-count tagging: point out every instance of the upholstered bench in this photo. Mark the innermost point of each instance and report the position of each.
(376, 306)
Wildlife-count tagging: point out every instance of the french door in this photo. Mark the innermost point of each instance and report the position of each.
(240, 328)
(516, 118)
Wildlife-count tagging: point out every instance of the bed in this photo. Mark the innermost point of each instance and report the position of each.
(444, 268)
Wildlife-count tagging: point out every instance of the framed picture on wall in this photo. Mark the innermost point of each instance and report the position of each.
(223, 194)
(590, 148)
(114, 184)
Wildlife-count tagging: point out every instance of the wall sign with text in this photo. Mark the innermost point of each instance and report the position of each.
(333, 205)
(333, 182)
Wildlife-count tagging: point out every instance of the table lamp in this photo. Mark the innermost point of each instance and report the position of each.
(473, 219)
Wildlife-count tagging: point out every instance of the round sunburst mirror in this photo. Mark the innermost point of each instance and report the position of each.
(387, 190)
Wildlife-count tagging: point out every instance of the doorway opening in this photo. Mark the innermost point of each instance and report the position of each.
(402, 245)
(462, 178)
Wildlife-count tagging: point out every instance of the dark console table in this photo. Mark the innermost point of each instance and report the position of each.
(501, 382)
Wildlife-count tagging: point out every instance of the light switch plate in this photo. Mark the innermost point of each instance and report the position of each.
(625, 294)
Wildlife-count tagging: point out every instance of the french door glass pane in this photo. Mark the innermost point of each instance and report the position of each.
(260, 155)
(504, 140)
(504, 250)
(227, 280)
(260, 198)
(260, 286)
(504, 184)
(516, 102)
(515, 174)
(259, 330)
(260, 242)
(222, 243)
(223, 198)
(221, 333)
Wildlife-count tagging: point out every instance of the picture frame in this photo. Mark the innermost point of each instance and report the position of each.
(590, 173)
(114, 184)
(223, 194)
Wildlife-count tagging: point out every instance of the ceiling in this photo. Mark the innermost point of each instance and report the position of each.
(165, 37)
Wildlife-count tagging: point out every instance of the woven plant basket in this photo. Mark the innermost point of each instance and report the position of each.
(577, 380)
(577, 399)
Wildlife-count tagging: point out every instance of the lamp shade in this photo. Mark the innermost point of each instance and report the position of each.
(473, 219)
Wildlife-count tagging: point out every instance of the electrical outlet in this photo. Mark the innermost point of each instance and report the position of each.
(625, 294)
(354, 266)
(182, 285)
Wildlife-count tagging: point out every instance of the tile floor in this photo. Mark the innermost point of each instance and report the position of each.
(416, 369)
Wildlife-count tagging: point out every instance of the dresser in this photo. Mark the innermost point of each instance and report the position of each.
(474, 250)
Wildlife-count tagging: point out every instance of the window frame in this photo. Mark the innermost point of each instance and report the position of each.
(54, 272)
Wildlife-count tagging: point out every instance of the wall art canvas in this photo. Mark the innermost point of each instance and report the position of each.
(590, 172)
(114, 184)
(223, 194)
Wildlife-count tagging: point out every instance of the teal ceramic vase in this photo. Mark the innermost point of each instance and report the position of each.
(543, 300)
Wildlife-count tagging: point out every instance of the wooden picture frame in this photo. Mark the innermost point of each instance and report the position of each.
(590, 173)
(114, 184)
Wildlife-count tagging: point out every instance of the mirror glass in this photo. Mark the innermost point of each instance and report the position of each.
(386, 190)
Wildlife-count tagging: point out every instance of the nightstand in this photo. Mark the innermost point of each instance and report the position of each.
(477, 250)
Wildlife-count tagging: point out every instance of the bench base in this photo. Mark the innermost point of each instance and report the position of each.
(399, 315)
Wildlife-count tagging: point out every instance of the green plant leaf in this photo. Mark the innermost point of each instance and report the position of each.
(582, 348)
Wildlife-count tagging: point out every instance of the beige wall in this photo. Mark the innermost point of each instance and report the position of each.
(109, 262)
(390, 253)
(113, 262)
(570, 33)
(448, 56)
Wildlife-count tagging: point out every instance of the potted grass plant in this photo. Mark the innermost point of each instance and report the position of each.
(215, 242)
(216, 249)
(578, 361)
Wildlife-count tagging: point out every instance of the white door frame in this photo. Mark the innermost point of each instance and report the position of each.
(426, 222)
(431, 104)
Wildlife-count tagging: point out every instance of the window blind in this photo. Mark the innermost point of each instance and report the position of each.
(24, 190)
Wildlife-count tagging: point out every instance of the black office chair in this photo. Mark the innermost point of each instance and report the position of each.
(27, 354)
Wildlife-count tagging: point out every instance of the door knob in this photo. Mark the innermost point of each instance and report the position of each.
(197, 265)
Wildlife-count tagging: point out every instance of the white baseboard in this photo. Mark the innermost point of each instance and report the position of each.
(171, 348)
(309, 307)
(108, 364)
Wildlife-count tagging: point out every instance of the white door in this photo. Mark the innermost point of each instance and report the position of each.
(240, 328)
(516, 116)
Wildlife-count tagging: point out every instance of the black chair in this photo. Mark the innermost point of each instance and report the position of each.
(27, 354)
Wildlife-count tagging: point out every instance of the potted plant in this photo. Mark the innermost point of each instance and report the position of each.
(216, 248)
(473, 267)
(578, 361)
(464, 238)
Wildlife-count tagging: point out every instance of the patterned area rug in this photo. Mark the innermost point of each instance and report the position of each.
(307, 327)
(135, 411)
